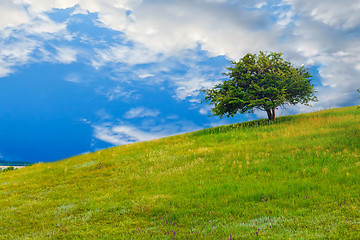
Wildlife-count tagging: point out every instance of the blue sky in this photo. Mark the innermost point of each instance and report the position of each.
(82, 75)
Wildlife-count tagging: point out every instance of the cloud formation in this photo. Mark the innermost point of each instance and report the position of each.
(66, 55)
(157, 35)
(141, 112)
(12, 14)
(339, 14)
(125, 133)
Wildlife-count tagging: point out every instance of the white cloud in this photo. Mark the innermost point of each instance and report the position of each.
(66, 55)
(146, 75)
(219, 28)
(112, 13)
(15, 53)
(141, 112)
(4, 70)
(123, 134)
(190, 87)
(116, 93)
(103, 115)
(260, 4)
(45, 27)
(107, 134)
(198, 76)
(12, 14)
(337, 55)
(321, 33)
(74, 78)
(40, 6)
(205, 110)
(85, 120)
(28, 15)
(23, 33)
(339, 14)
(25, 50)
(131, 55)
(120, 134)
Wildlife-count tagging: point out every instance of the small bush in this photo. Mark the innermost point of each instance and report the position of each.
(7, 169)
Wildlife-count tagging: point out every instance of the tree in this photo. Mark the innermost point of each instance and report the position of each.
(263, 81)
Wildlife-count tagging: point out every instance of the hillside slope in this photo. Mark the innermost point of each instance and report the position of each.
(297, 177)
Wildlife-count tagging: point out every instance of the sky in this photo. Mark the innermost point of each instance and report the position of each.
(77, 76)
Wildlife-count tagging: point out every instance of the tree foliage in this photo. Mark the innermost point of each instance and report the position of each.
(261, 81)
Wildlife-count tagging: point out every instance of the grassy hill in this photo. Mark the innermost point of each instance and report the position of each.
(295, 178)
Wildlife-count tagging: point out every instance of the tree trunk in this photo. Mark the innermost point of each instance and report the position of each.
(271, 114)
(268, 113)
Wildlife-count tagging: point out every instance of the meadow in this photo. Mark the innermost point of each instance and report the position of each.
(294, 178)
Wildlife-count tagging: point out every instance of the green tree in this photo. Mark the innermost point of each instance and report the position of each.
(263, 81)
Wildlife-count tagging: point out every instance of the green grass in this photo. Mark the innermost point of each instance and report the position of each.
(295, 178)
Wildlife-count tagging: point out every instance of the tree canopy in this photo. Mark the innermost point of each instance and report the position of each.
(263, 81)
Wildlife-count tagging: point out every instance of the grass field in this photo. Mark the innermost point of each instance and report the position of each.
(295, 178)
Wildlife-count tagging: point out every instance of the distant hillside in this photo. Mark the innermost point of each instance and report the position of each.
(294, 178)
(11, 163)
